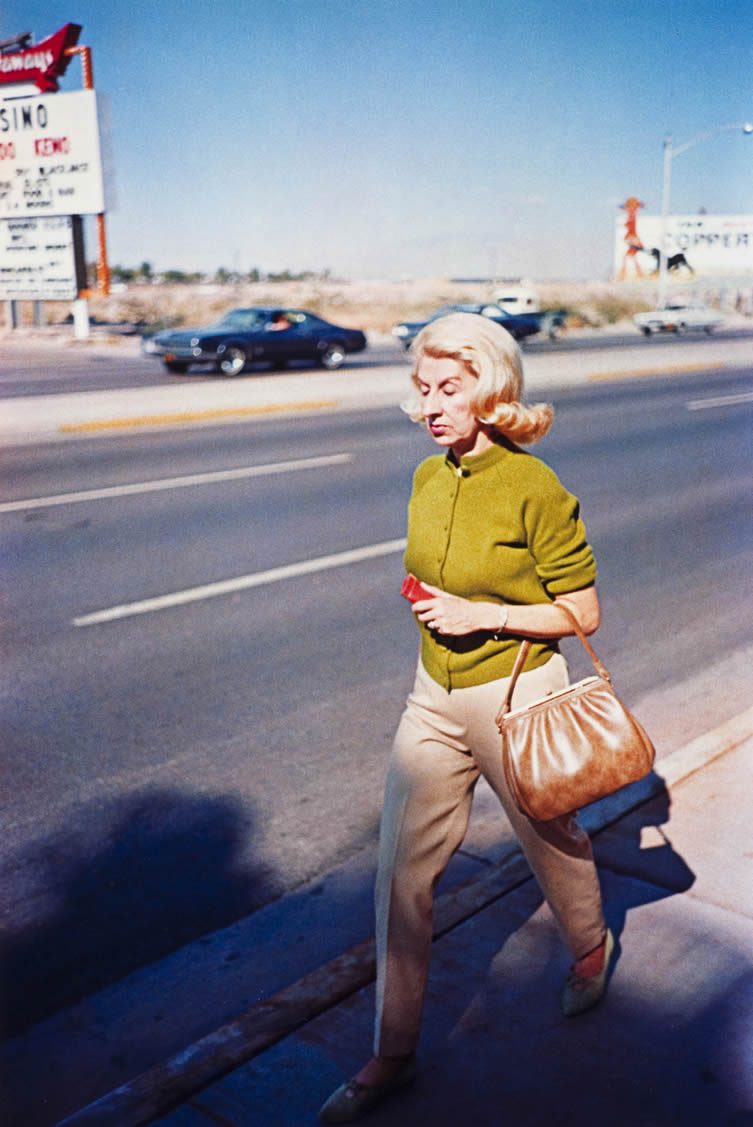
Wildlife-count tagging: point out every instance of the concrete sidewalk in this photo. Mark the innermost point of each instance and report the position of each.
(669, 1047)
(40, 418)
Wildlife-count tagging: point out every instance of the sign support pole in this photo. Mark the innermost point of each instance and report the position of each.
(103, 268)
(81, 318)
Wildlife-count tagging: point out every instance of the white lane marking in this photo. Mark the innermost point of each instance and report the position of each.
(720, 401)
(175, 482)
(241, 583)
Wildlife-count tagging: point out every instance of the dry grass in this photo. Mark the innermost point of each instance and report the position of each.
(372, 305)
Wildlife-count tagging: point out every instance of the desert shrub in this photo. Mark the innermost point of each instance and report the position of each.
(371, 305)
(611, 308)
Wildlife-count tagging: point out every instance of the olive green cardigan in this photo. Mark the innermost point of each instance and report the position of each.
(497, 527)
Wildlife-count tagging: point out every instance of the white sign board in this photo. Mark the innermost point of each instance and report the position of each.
(50, 162)
(38, 259)
(708, 245)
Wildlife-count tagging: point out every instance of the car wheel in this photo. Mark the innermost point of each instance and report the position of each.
(646, 331)
(708, 329)
(232, 362)
(333, 356)
(681, 328)
(177, 367)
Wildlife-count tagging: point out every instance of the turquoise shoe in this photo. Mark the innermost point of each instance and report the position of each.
(352, 1100)
(583, 993)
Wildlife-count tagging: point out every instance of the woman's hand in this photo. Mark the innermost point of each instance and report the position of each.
(451, 615)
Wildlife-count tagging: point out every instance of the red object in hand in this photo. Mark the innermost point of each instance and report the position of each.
(413, 591)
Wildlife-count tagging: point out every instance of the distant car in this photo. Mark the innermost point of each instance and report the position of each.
(273, 334)
(518, 298)
(678, 318)
(520, 325)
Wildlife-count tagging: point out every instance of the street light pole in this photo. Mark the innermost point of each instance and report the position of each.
(666, 180)
(670, 152)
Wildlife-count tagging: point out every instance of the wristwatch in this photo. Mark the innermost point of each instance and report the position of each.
(502, 622)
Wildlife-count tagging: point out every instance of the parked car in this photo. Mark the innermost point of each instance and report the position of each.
(678, 318)
(519, 325)
(267, 333)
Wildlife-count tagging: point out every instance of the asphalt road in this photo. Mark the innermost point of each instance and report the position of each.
(93, 366)
(170, 771)
(28, 369)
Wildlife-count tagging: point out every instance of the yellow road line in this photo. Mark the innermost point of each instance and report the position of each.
(195, 416)
(639, 373)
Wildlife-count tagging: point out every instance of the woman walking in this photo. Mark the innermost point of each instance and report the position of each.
(498, 543)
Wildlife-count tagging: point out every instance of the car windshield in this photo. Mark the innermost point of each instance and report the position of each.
(240, 319)
(465, 307)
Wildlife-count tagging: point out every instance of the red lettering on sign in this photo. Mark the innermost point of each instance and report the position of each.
(8, 151)
(48, 146)
(42, 63)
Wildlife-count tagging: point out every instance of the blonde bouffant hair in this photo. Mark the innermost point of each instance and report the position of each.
(492, 355)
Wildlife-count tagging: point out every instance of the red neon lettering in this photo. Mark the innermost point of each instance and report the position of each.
(48, 146)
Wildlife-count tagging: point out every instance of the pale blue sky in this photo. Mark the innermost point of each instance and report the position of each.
(390, 138)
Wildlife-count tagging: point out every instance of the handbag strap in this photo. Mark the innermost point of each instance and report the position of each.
(525, 649)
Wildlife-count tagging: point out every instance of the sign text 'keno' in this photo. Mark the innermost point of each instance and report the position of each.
(50, 161)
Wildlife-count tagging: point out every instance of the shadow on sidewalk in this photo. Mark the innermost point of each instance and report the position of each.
(123, 886)
(655, 1054)
(667, 1046)
(637, 846)
(665, 1049)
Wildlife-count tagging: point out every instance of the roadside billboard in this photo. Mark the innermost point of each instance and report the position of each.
(41, 259)
(708, 245)
(50, 160)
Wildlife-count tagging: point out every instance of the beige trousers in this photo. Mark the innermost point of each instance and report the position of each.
(444, 742)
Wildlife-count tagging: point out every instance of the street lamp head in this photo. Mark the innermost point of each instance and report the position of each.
(670, 152)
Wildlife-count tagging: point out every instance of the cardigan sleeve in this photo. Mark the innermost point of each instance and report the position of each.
(557, 538)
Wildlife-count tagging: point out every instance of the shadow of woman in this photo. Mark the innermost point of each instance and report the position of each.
(638, 849)
(522, 946)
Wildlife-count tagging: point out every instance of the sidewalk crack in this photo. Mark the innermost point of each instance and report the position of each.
(212, 1116)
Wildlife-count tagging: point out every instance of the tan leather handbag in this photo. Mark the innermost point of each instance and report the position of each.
(573, 746)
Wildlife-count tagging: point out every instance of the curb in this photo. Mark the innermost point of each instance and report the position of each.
(174, 417)
(164, 1086)
(241, 413)
(666, 370)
